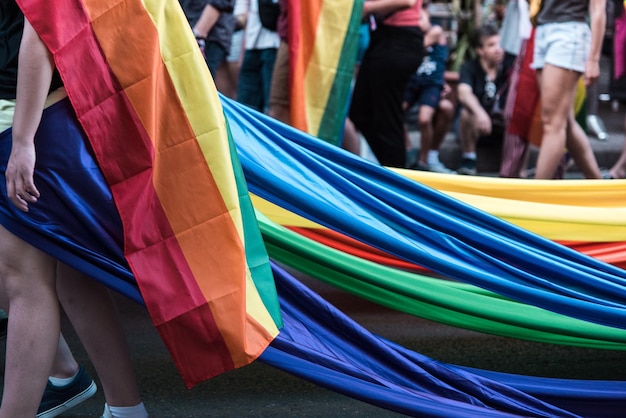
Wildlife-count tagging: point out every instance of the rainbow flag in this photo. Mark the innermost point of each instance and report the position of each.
(145, 99)
(526, 114)
(323, 43)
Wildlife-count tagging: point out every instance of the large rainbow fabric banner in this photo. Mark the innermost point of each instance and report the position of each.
(323, 43)
(144, 97)
(378, 207)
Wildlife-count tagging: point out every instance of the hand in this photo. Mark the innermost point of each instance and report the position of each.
(201, 44)
(592, 71)
(200, 40)
(21, 188)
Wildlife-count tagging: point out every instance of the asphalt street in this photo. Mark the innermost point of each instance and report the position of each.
(260, 390)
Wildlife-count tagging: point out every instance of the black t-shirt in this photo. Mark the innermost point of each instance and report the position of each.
(472, 73)
(11, 27)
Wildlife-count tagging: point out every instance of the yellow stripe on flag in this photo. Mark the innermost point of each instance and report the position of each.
(333, 20)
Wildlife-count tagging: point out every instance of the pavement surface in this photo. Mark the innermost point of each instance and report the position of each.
(259, 390)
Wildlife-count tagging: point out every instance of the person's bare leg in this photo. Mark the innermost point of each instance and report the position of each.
(580, 149)
(226, 78)
(442, 122)
(65, 364)
(28, 278)
(351, 141)
(468, 134)
(425, 121)
(93, 314)
(557, 87)
(618, 171)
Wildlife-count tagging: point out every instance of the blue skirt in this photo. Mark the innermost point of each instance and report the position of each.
(75, 219)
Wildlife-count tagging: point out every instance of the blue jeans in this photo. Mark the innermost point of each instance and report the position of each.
(255, 78)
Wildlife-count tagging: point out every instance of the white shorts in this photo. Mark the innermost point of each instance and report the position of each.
(564, 45)
(236, 47)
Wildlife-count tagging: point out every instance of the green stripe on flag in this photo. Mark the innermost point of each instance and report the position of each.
(256, 254)
(331, 125)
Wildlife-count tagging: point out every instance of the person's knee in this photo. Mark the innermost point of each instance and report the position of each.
(553, 122)
(23, 268)
(11, 262)
(425, 116)
(445, 109)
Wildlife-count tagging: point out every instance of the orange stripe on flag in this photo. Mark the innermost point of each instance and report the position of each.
(180, 174)
(303, 22)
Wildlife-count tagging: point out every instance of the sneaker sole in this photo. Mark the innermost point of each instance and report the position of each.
(466, 172)
(70, 403)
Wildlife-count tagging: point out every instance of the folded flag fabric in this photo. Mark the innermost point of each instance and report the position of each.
(145, 100)
(376, 206)
(368, 367)
(323, 44)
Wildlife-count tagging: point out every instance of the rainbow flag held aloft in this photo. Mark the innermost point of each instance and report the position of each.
(323, 43)
(145, 99)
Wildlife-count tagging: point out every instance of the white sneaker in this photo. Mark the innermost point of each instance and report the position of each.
(438, 167)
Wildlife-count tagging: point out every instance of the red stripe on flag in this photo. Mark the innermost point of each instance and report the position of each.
(302, 29)
(125, 152)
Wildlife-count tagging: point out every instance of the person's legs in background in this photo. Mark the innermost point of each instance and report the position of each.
(279, 107)
(560, 129)
(618, 171)
(434, 119)
(351, 139)
(468, 137)
(268, 60)
(376, 108)
(255, 78)
(214, 55)
(580, 149)
(227, 75)
(442, 121)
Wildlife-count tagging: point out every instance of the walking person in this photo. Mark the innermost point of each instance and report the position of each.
(255, 76)
(30, 277)
(394, 53)
(566, 48)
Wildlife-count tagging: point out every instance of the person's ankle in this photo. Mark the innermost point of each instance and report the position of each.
(136, 411)
(63, 379)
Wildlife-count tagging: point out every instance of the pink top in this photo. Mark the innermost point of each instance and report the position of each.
(405, 17)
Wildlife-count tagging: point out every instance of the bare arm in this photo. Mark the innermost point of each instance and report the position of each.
(597, 17)
(34, 76)
(206, 21)
(469, 101)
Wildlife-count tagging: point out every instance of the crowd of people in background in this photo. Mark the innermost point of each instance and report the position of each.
(401, 69)
(401, 72)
